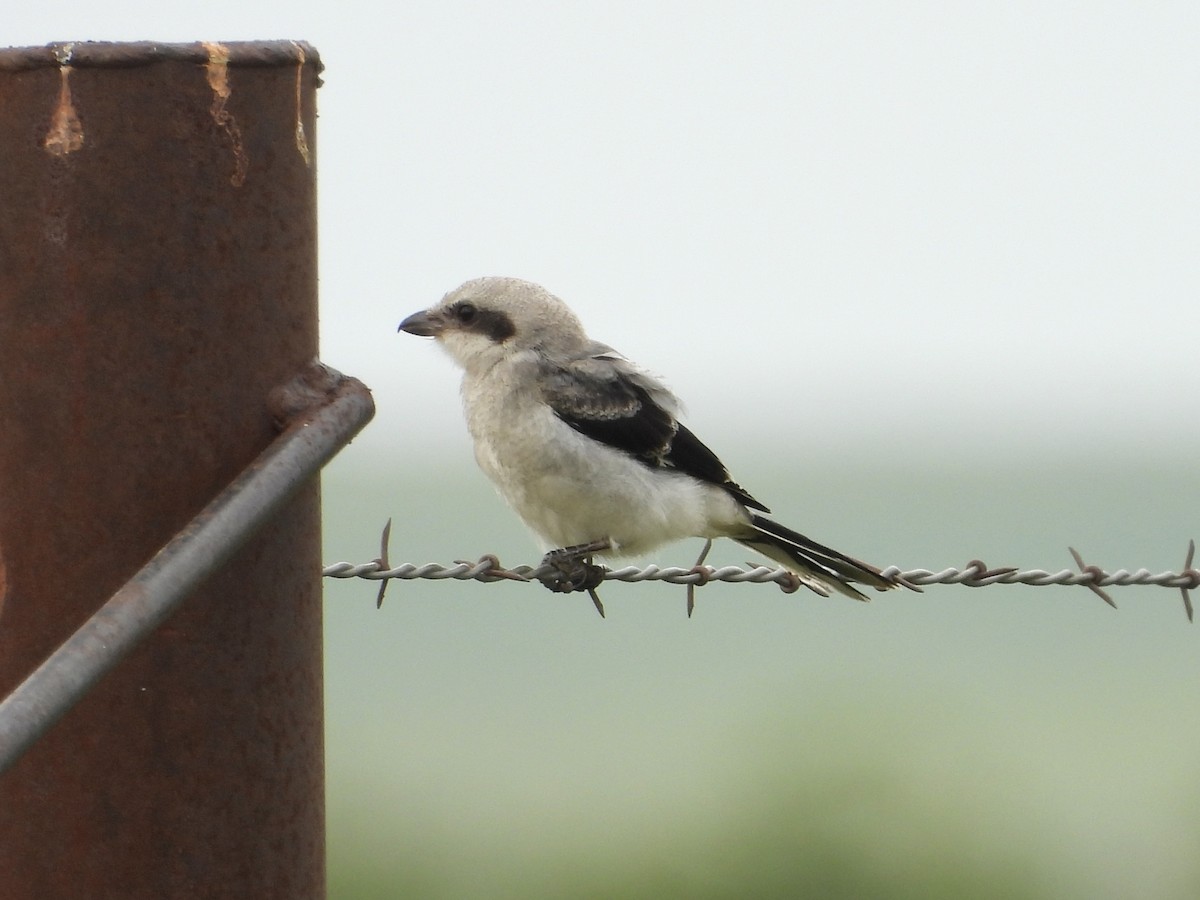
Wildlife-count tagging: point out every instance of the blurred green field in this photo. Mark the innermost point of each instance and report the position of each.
(501, 741)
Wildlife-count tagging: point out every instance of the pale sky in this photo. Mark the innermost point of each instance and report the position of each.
(942, 228)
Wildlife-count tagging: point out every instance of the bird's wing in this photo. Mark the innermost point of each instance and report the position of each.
(609, 399)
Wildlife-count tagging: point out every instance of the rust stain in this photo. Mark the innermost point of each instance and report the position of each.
(301, 138)
(217, 71)
(66, 131)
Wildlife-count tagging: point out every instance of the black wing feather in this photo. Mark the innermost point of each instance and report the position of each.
(618, 412)
(688, 454)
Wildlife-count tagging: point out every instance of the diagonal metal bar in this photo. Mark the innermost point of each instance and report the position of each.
(322, 411)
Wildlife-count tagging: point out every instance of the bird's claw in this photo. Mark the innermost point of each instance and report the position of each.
(570, 573)
(571, 569)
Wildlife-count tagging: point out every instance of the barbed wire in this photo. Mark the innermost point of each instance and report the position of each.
(976, 573)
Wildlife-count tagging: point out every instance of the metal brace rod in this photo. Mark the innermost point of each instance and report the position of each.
(314, 434)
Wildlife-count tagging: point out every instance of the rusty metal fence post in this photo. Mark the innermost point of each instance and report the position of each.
(157, 280)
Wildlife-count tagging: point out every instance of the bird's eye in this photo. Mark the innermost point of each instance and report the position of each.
(466, 313)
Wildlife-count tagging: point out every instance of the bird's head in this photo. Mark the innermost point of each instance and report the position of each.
(489, 319)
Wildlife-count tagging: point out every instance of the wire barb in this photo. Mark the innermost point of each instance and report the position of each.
(383, 560)
(975, 573)
(1195, 576)
(1097, 575)
(705, 572)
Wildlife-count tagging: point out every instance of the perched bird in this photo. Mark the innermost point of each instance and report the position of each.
(588, 448)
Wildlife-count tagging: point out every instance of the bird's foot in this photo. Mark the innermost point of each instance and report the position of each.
(573, 575)
(571, 569)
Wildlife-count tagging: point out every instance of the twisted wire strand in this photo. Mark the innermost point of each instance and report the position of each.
(974, 574)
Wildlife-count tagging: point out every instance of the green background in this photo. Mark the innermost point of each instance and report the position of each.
(499, 740)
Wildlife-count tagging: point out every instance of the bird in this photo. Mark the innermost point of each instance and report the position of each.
(588, 448)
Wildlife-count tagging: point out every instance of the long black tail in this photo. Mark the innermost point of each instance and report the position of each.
(818, 567)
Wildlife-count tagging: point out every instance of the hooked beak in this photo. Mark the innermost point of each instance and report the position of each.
(424, 324)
